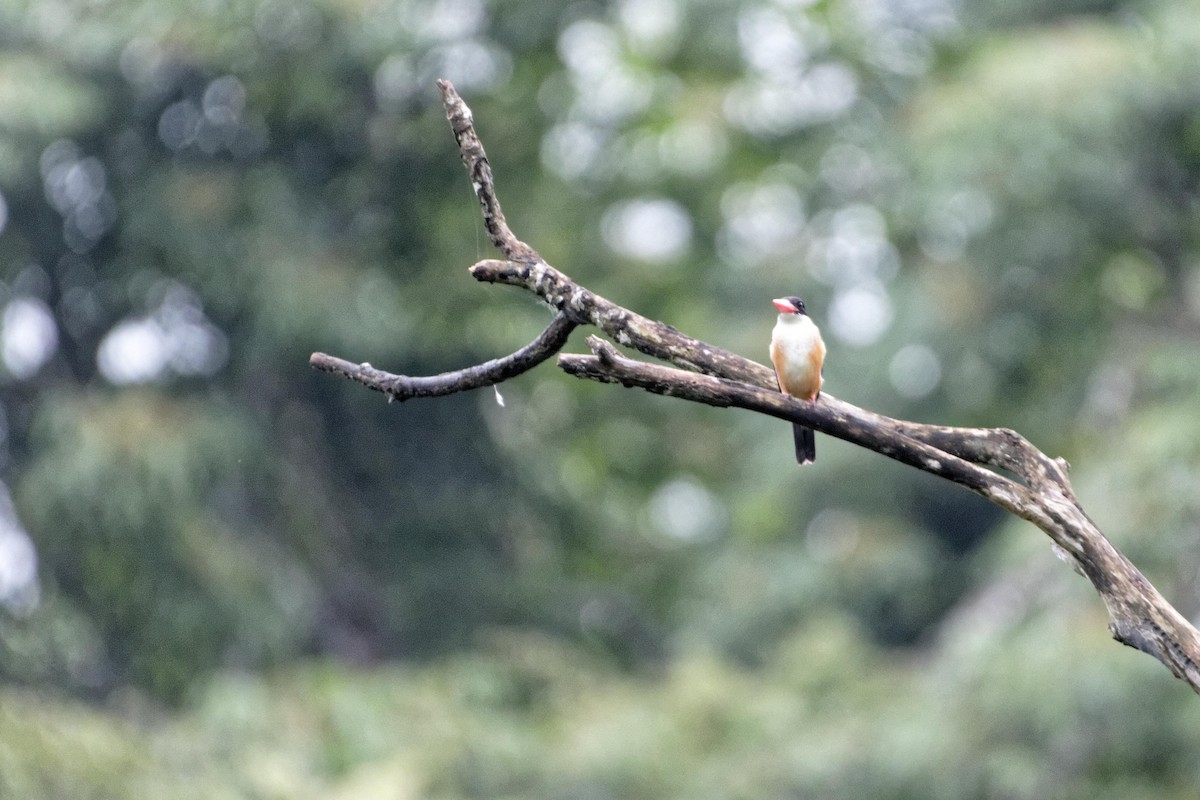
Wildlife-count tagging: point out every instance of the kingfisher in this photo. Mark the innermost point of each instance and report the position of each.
(798, 353)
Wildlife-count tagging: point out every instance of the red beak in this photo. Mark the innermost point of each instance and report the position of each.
(784, 306)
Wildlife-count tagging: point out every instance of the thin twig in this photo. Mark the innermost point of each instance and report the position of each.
(403, 387)
(480, 170)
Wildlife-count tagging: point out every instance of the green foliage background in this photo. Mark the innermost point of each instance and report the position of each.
(255, 581)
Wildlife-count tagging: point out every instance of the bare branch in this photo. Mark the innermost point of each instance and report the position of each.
(827, 415)
(997, 447)
(655, 339)
(1141, 617)
(403, 387)
(476, 161)
(1039, 492)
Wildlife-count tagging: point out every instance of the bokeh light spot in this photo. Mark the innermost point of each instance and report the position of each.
(649, 230)
(915, 371)
(18, 560)
(686, 511)
(133, 352)
(571, 149)
(29, 338)
(176, 338)
(762, 221)
(860, 315)
(652, 26)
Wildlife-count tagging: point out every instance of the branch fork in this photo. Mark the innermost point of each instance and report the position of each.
(1036, 487)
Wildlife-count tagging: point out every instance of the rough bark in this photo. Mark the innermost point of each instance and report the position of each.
(1037, 487)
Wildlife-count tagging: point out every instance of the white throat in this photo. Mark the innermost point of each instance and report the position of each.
(795, 338)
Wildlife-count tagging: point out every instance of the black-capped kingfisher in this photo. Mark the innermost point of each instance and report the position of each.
(798, 353)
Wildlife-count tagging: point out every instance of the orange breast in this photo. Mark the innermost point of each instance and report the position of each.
(799, 376)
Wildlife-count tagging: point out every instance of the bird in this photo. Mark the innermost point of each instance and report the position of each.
(798, 353)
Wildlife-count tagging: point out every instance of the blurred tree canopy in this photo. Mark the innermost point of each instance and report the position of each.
(224, 575)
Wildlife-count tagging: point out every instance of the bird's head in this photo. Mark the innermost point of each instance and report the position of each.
(789, 305)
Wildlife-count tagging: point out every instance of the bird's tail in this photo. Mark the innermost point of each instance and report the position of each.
(806, 444)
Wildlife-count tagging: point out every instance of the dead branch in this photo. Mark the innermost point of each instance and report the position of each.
(402, 387)
(1039, 490)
